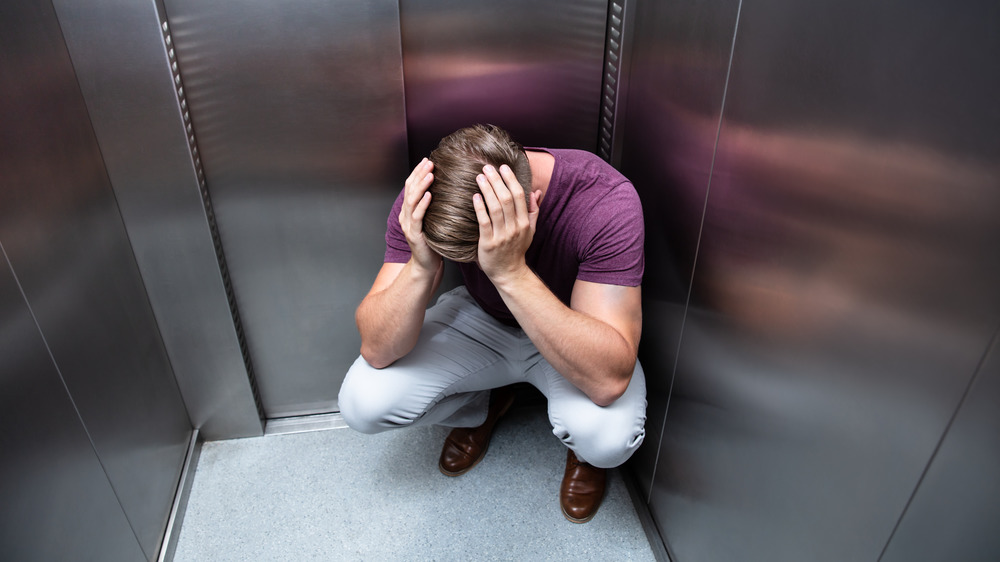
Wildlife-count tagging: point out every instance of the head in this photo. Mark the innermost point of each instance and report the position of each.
(450, 225)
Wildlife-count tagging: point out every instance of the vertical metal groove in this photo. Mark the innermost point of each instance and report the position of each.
(209, 211)
(611, 77)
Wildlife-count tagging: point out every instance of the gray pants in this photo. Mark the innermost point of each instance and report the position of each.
(463, 352)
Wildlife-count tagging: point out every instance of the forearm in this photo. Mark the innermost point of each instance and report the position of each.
(590, 353)
(389, 320)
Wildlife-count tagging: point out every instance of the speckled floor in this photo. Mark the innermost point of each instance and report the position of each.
(341, 495)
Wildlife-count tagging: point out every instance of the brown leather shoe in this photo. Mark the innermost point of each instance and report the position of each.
(582, 489)
(466, 446)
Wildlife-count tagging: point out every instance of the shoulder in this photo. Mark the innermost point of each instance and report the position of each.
(618, 208)
(592, 182)
(580, 169)
(577, 157)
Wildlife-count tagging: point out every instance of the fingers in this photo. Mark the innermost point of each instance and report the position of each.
(419, 172)
(516, 190)
(490, 199)
(416, 200)
(533, 209)
(421, 208)
(482, 217)
(504, 197)
(417, 183)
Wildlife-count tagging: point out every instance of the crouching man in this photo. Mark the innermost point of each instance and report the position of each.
(551, 297)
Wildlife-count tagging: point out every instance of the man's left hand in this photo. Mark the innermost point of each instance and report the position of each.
(506, 223)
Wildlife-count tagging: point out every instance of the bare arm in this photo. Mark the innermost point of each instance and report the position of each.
(391, 315)
(592, 342)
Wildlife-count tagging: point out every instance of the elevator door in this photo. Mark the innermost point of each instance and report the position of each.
(299, 114)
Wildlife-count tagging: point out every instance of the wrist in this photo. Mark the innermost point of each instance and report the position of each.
(510, 279)
(422, 272)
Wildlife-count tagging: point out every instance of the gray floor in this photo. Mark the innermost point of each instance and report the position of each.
(340, 495)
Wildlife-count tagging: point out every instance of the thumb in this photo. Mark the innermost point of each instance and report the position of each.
(533, 209)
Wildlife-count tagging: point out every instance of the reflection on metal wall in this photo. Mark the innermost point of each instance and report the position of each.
(678, 75)
(533, 68)
(298, 113)
(844, 290)
(57, 501)
(954, 513)
(65, 242)
(129, 89)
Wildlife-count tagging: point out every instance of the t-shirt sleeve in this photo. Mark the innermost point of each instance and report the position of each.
(613, 250)
(396, 248)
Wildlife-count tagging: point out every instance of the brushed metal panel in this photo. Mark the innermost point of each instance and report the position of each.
(57, 501)
(126, 81)
(298, 113)
(64, 237)
(845, 283)
(678, 73)
(954, 513)
(533, 68)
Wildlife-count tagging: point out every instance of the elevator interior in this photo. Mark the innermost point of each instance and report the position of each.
(194, 196)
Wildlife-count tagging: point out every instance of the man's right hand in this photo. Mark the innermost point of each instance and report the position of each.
(416, 199)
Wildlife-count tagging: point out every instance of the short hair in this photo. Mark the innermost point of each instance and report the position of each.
(450, 225)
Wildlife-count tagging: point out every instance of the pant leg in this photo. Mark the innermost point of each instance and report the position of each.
(461, 353)
(604, 436)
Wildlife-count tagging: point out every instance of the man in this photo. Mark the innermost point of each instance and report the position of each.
(551, 297)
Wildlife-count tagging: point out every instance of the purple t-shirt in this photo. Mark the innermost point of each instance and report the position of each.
(589, 228)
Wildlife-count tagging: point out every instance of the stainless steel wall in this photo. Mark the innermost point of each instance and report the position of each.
(835, 194)
(95, 430)
(677, 78)
(533, 68)
(57, 499)
(954, 512)
(298, 113)
(299, 118)
(132, 99)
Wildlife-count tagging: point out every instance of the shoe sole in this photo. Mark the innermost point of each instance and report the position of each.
(575, 520)
(485, 449)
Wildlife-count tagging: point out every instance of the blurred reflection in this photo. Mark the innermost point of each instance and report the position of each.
(533, 68)
(839, 232)
(844, 292)
(807, 232)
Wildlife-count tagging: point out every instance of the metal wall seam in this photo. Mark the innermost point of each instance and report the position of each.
(991, 348)
(69, 396)
(207, 203)
(694, 265)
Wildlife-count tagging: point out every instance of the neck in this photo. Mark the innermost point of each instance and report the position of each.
(541, 164)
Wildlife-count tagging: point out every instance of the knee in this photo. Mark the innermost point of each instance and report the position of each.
(358, 411)
(602, 444)
(365, 405)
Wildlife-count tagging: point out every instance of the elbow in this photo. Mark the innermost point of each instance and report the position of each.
(374, 359)
(614, 387)
(611, 392)
(608, 396)
(382, 355)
